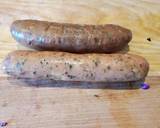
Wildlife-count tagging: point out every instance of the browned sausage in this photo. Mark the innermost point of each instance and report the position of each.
(43, 35)
(76, 67)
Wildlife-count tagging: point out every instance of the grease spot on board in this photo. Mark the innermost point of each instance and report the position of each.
(149, 39)
(97, 96)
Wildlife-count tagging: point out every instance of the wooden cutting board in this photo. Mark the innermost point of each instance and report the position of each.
(83, 106)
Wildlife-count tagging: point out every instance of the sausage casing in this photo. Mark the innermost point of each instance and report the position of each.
(67, 37)
(76, 67)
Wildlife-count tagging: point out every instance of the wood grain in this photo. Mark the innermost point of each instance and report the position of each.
(142, 17)
(24, 106)
(59, 107)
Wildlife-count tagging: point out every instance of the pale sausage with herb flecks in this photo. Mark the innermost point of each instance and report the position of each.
(76, 67)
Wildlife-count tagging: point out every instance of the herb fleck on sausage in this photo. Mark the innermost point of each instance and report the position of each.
(66, 72)
(108, 67)
(30, 42)
(70, 66)
(121, 69)
(71, 76)
(96, 62)
(34, 72)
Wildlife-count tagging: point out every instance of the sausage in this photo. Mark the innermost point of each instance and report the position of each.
(67, 37)
(76, 67)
